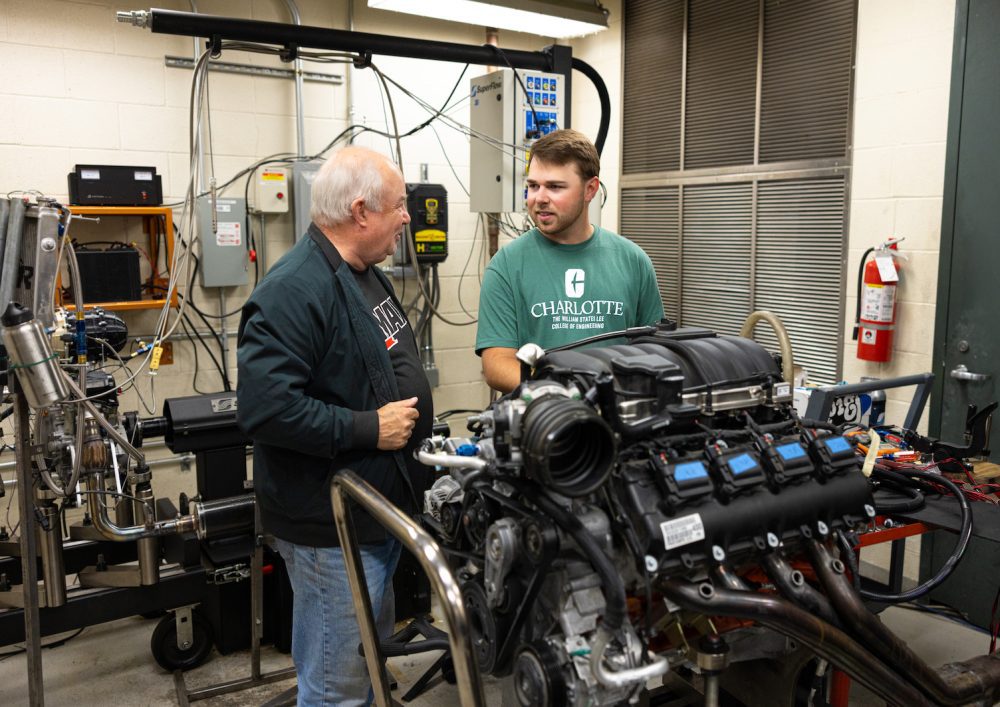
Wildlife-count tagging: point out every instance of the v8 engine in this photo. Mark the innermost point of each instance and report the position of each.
(613, 475)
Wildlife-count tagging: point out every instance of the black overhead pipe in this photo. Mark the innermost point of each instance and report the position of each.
(554, 58)
(784, 617)
(194, 24)
(973, 680)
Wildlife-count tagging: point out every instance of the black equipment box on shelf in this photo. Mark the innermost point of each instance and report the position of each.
(110, 275)
(114, 185)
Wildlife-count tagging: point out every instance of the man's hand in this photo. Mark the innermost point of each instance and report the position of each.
(395, 423)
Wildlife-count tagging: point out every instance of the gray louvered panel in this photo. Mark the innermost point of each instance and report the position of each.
(721, 83)
(716, 256)
(653, 48)
(806, 81)
(650, 218)
(800, 255)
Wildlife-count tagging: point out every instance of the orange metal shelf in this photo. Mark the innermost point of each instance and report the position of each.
(150, 215)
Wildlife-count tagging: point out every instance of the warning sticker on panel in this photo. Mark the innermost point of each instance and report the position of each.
(877, 302)
(682, 531)
(228, 233)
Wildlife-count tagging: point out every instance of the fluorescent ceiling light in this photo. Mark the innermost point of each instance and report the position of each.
(548, 18)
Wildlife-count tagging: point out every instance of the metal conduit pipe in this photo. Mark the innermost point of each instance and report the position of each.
(889, 648)
(826, 641)
(300, 134)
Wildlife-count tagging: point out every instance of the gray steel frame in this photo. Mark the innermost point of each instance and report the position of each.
(419, 542)
(821, 399)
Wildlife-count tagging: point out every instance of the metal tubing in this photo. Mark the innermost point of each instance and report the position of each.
(236, 29)
(821, 399)
(887, 646)
(103, 422)
(826, 641)
(50, 543)
(103, 524)
(422, 546)
(11, 253)
(148, 548)
(800, 592)
(4, 215)
(29, 550)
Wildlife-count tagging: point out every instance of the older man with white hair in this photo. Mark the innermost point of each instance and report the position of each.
(329, 379)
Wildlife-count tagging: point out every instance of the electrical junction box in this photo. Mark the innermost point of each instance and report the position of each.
(271, 191)
(428, 208)
(225, 260)
(303, 174)
(501, 111)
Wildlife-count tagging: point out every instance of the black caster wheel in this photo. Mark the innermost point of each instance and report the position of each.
(169, 655)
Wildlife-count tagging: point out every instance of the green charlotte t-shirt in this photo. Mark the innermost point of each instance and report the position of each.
(541, 292)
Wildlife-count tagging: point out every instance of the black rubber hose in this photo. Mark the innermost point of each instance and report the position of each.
(913, 500)
(956, 555)
(611, 582)
(602, 93)
(861, 275)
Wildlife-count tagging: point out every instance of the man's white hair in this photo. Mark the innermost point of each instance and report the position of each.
(351, 173)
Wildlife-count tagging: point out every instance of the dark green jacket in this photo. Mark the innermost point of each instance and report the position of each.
(313, 371)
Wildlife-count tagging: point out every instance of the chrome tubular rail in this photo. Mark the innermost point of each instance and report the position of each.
(429, 555)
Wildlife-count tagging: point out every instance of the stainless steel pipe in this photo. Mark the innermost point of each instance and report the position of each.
(346, 485)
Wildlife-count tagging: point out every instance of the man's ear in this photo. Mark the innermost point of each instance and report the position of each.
(359, 212)
(590, 188)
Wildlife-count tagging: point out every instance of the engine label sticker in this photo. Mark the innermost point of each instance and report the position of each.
(682, 531)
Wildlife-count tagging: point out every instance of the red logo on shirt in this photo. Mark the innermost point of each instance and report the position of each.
(390, 321)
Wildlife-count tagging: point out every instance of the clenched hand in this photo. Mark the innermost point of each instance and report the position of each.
(395, 423)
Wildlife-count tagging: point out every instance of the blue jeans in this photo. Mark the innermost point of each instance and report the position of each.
(325, 633)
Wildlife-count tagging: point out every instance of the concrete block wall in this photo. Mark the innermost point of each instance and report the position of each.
(902, 81)
(85, 89)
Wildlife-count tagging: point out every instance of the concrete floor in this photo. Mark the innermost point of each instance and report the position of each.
(111, 664)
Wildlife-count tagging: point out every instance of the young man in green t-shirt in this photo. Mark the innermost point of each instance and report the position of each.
(565, 279)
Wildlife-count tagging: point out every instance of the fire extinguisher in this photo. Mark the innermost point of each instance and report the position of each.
(875, 319)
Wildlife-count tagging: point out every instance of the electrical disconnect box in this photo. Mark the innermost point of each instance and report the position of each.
(271, 191)
(225, 260)
(428, 208)
(510, 115)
